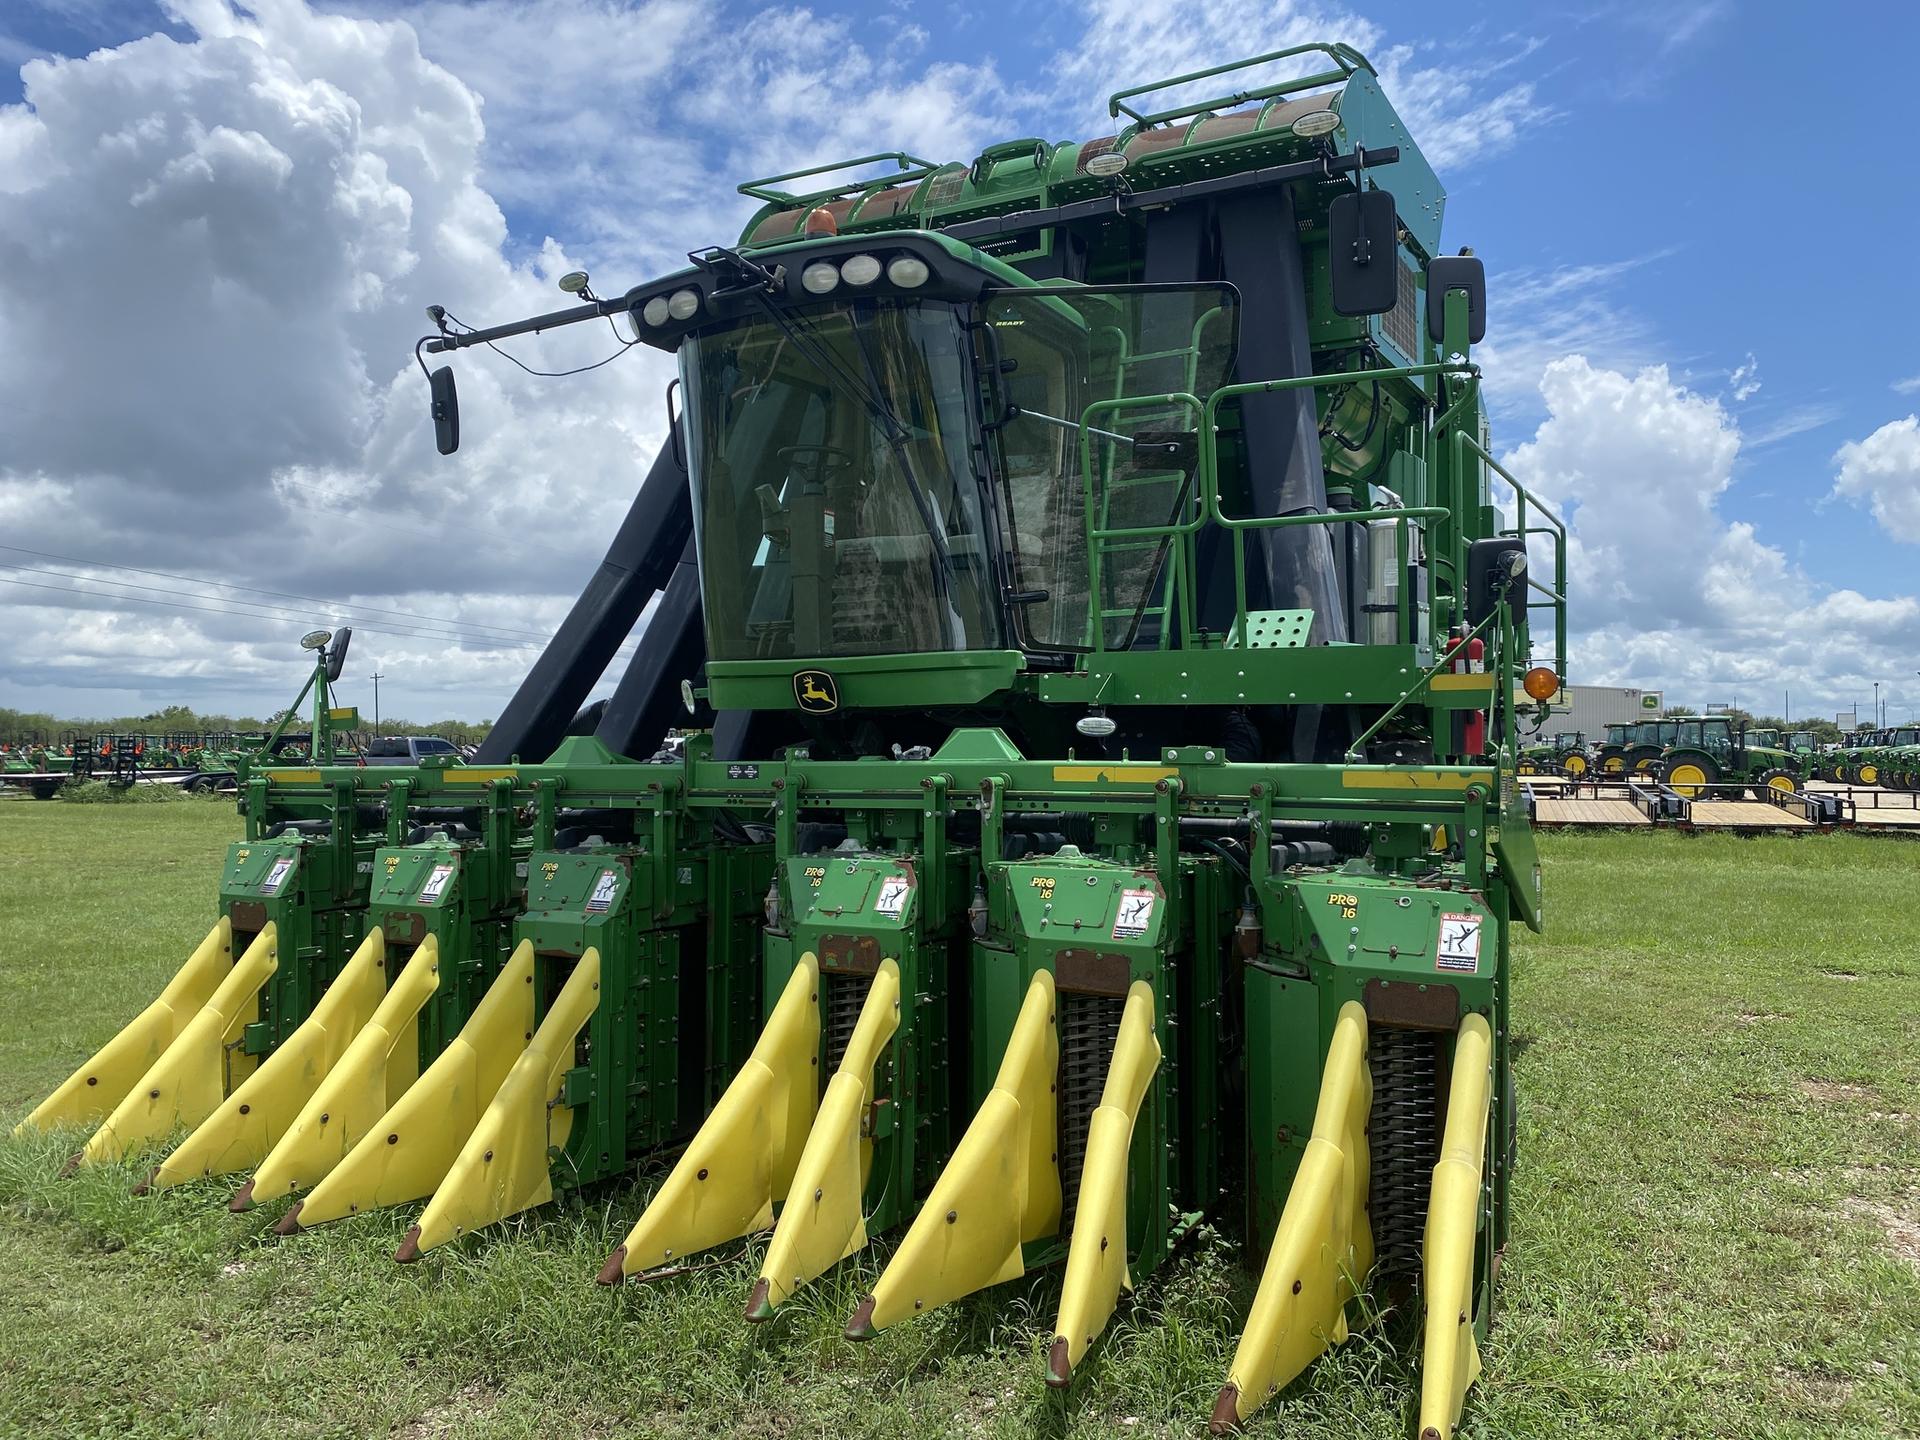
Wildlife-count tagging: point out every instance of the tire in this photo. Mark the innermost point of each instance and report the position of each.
(1776, 779)
(1689, 773)
(1526, 767)
(1575, 767)
(1869, 772)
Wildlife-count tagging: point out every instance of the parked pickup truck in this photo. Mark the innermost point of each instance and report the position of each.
(407, 749)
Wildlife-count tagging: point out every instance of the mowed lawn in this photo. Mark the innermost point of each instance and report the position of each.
(1717, 1228)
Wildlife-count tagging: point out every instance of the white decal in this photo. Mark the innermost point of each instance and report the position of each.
(436, 883)
(892, 900)
(1459, 947)
(1136, 912)
(276, 875)
(603, 891)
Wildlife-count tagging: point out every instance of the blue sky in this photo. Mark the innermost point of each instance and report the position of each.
(1703, 336)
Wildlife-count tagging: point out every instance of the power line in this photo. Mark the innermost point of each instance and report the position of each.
(409, 615)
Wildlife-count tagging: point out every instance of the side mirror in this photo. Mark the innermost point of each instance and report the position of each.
(1363, 253)
(446, 411)
(337, 656)
(1494, 567)
(1457, 272)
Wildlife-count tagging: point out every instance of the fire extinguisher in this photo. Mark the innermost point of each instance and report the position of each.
(1476, 720)
(1467, 657)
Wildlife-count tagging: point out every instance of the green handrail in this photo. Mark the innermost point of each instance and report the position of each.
(1555, 529)
(1210, 461)
(1345, 58)
(1358, 747)
(907, 163)
(1096, 533)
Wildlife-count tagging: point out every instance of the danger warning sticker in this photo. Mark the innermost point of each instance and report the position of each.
(1135, 914)
(436, 883)
(604, 889)
(276, 875)
(892, 899)
(1459, 947)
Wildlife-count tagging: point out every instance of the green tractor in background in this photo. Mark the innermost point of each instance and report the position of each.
(1608, 758)
(1893, 760)
(1856, 762)
(1710, 750)
(1646, 742)
(1563, 754)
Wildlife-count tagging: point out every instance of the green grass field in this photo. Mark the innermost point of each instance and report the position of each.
(1717, 1225)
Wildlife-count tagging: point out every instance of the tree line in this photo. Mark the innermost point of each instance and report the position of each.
(19, 727)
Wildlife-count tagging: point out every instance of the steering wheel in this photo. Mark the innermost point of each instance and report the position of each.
(825, 453)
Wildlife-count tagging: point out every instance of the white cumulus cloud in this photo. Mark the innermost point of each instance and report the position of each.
(1884, 471)
(1666, 590)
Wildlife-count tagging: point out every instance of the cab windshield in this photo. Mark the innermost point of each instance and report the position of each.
(836, 511)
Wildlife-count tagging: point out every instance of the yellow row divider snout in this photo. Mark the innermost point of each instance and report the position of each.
(1000, 1189)
(743, 1158)
(1097, 1251)
(823, 1221)
(410, 1149)
(1323, 1246)
(92, 1092)
(503, 1168)
(378, 1067)
(241, 1132)
(1450, 1358)
(193, 1074)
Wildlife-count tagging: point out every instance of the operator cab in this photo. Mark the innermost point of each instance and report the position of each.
(889, 468)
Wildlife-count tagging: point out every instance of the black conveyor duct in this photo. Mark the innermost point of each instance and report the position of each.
(1292, 568)
(672, 648)
(639, 562)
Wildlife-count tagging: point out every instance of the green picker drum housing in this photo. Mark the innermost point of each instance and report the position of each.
(1064, 792)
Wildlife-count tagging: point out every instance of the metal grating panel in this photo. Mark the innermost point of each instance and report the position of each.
(1401, 325)
(1277, 629)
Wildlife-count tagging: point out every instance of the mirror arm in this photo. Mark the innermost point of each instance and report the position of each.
(599, 309)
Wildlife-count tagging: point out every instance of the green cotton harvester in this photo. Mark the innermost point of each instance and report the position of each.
(1063, 795)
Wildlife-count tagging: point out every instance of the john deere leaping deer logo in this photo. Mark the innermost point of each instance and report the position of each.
(815, 692)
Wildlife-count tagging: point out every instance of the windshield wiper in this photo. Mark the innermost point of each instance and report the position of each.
(804, 337)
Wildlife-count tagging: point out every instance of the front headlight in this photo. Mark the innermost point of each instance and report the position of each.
(909, 272)
(820, 277)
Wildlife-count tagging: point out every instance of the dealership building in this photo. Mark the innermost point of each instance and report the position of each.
(1589, 709)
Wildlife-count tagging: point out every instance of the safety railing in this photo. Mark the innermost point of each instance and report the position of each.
(911, 167)
(1240, 526)
(1346, 60)
(1172, 537)
(1554, 530)
(1200, 504)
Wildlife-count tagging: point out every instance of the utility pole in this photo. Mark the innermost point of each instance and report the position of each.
(1879, 716)
(376, 677)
